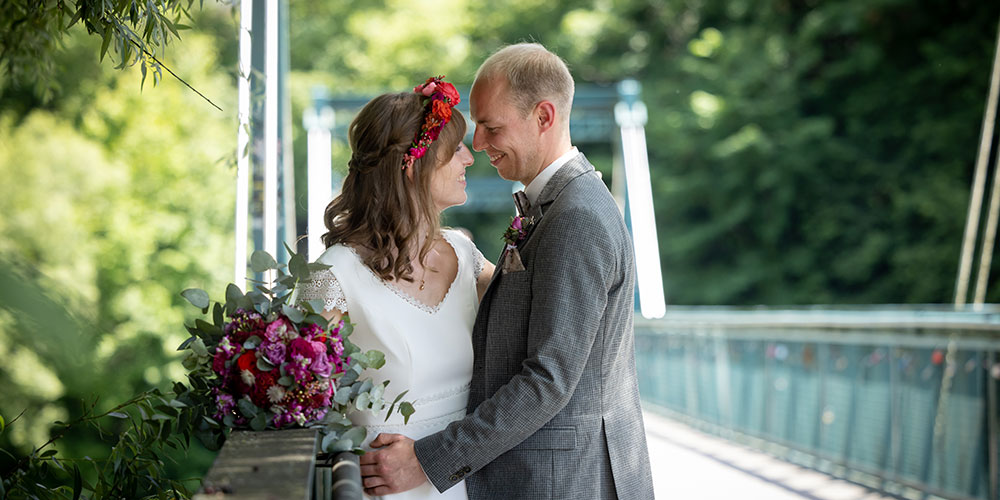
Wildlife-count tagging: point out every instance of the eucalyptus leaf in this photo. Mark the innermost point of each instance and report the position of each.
(316, 266)
(259, 421)
(186, 343)
(198, 347)
(362, 402)
(256, 296)
(377, 391)
(356, 435)
(360, 359)
(247, 408)
(206, 327)
(298, 267)
(349, 377)
(328, 440)
(348, 328)
(376, 359)
(295, 314)
(315, 305)
(341, 445)
(234, 298)
(217, 315)
(406, 409)
(197, 297)
(342, 397)
(366, 386)
(252, 342)
(264, 365)
(261, 261)
(285, 380)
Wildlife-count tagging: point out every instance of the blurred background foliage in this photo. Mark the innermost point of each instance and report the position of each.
(802, 152)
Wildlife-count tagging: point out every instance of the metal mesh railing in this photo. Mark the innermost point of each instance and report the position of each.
(902, 399)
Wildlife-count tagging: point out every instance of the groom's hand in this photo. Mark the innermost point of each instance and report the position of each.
(393, 468)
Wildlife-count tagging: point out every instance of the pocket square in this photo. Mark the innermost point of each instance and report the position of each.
(512, 260)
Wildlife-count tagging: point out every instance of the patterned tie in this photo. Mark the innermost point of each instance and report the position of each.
(522, 204)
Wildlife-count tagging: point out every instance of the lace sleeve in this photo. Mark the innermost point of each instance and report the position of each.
(323, 285)
(478, 260)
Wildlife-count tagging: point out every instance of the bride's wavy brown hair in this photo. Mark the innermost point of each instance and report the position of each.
(380, 209)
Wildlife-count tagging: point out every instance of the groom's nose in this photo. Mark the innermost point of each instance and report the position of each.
(478, 143)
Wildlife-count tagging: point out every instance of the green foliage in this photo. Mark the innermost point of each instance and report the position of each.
(118, 201)
(147, 427)
(31, 32)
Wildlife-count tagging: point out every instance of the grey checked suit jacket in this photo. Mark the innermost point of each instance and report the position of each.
(554, 404)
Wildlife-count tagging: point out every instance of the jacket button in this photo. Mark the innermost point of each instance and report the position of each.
(454, 477)
(466, 469)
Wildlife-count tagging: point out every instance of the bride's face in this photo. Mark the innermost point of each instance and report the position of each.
(448, 181)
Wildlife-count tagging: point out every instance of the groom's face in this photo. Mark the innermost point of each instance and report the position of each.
(509, 138)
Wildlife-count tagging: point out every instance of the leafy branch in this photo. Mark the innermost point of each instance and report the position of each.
(31, 32)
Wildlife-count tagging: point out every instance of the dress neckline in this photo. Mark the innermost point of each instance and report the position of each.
(429, 309)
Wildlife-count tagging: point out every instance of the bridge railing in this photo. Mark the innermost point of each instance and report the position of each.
(280, 465)
(903, 399)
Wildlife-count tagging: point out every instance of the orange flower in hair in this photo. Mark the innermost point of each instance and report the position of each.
(441, 97)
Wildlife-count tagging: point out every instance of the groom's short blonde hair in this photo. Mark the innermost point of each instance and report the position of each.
(533, 74)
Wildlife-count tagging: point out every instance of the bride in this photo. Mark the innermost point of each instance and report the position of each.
(410, 287)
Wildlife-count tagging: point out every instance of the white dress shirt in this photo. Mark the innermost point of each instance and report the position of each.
(535, 187)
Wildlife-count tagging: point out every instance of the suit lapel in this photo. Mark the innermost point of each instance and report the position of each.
(575, 167)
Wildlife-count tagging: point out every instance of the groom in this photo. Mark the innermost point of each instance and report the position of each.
(554, 403)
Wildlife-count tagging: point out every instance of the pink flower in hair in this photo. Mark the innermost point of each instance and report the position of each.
(428, 89)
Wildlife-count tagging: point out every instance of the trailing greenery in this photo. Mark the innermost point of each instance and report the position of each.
(146, 426)
(135, 32)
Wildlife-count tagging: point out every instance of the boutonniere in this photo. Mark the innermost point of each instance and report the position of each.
(515, 234)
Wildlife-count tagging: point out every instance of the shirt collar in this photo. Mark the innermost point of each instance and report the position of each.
(534, 188)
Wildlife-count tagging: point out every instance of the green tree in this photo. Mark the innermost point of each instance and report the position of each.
(122, 199)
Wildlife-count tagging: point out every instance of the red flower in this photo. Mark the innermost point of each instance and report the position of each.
(258, 393)
(247, 360)
(448, 90)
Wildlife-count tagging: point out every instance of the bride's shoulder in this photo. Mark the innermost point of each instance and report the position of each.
(334, 254)
(458, 238)
(463, 243)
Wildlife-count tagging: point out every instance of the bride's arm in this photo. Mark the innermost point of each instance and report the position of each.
(483, 280)
(323, 285)
(333, 316)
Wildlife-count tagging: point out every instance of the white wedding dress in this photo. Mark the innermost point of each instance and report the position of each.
(428, 349)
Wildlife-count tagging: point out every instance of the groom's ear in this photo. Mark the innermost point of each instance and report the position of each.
(545, 115)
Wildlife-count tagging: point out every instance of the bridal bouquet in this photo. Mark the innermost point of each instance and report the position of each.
(263, 363)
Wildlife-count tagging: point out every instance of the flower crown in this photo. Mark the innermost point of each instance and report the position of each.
(441, 97)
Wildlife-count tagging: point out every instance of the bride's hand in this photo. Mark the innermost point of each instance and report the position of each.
(392, 467)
